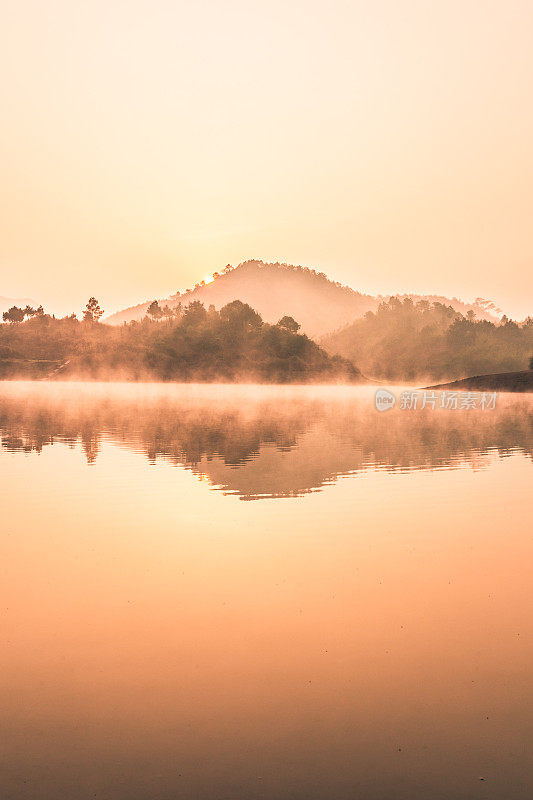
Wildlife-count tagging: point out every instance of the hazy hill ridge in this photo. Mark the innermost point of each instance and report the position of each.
(317, 303)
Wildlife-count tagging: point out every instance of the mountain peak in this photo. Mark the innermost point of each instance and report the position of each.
(277, 289)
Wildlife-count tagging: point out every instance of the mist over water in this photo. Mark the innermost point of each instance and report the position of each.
(364, 634)
(258, 441)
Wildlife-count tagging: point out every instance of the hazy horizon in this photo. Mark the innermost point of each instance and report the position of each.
(149, 144)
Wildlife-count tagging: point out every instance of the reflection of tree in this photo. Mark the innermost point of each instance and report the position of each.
(264, 444)
(90, 444)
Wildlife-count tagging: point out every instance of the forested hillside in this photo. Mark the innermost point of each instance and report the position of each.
(320, 305)
(194, 343)
(274, 290)
(406, 341)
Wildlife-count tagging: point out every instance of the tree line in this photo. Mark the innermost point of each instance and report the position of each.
(183, 343)
(407, 341)
(91, 313)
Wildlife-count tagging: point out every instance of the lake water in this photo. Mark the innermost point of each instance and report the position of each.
(244, 593)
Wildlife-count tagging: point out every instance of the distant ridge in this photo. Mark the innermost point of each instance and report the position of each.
(274, 290)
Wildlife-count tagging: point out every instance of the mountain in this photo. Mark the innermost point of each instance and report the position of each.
(275, 290)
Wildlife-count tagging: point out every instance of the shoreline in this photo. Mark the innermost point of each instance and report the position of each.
(499, 381)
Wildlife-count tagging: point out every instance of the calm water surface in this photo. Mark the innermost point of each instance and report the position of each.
(217, 593)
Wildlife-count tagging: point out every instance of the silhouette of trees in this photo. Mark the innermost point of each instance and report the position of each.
(192, 344)
(289, 324)
(33, 312)
(154, 310)
(407, 341)
(194, 313)
(240, 316)
(14, 314)
(92, 312)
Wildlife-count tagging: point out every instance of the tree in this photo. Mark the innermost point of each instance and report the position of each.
(14, 314)
(289, 324)
(240, 315)
(154, 310)
(194, 313)
(92, 312)
(33, 312)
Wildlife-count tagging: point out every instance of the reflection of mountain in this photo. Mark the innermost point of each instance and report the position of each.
(260, 441)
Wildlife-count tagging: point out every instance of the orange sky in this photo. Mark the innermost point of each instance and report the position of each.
(147, 143)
